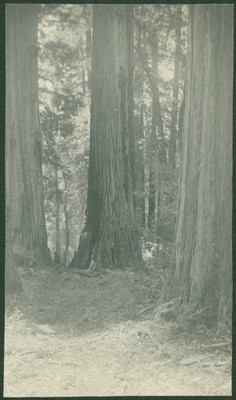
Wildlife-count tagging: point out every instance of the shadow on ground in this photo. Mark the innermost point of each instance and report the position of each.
(74, 303)
(77, 335)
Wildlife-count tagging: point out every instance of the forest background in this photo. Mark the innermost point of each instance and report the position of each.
(188, 273)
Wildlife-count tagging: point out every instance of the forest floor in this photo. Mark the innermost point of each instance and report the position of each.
(78, 335)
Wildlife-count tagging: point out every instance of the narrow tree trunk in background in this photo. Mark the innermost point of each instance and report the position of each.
(67, 230)
(174, 110)
(162, 151)
(204, 230)
(142, 176)
(109, 237)
(57, 216)
(151, 198)
(152, 168)
(157, 148)
(25, 221)
(157, 114)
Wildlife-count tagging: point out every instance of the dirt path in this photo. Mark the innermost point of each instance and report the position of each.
(81, 336)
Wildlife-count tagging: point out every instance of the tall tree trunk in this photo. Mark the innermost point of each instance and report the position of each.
(204, 232)
(67, 230)
(139, 145)
(109, 237)
(152, 168)
(140, 178)
(174, 110)
(57, 216)
(25, 220)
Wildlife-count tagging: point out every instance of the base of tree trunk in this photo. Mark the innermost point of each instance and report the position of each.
(13, 282)
(121, 252)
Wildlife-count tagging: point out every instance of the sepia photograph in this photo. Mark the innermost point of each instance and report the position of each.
(118, 200)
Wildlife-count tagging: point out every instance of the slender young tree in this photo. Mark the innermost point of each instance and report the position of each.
(109, 237)
(204, 233)
(25, 221)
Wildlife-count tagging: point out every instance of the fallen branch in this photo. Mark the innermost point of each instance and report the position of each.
(142, 311)
(217, 345)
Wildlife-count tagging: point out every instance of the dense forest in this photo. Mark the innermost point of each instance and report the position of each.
(118, 199)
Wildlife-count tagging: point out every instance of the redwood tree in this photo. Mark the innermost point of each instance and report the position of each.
(25, 223)
(174, 110)
(203, 241)
(139, 137)
(109, 237)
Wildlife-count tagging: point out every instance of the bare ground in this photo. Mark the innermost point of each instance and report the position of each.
(77, 335)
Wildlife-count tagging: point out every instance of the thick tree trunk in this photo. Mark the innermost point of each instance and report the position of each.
(109, 237)
(25, 221)
(140, 178)
(139, 144)
(13, 282)
(174, 110)
(139, 194)
(204, 232)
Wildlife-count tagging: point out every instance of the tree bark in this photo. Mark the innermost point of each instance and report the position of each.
(174, 110)
(139, 144)
(109, 237)
(140, 178)
(13, 282)
(203, 241)
(25, 220)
